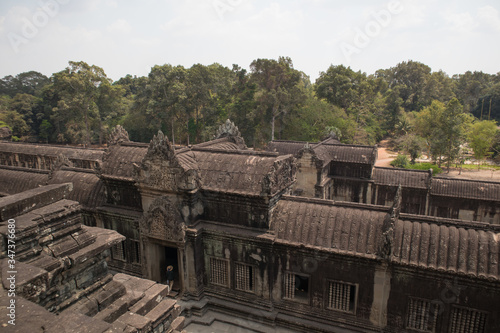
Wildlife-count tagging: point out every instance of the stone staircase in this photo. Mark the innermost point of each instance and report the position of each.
(132, 304)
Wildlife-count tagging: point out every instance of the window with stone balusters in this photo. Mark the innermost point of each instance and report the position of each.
(465, 320)
(219, 272)
(342, 296)
(244, 275)
(422, 315)
(296, 287)
(118, 251)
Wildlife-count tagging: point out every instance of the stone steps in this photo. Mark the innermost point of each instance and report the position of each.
(152, 297)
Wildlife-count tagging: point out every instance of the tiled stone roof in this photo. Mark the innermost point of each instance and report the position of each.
(88, 189)
(235, 171)
(342, 228)
(404, 177)
(14, 180)
(464, 188)
(452, 247)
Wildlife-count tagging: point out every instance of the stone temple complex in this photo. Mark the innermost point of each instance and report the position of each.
(302, 237)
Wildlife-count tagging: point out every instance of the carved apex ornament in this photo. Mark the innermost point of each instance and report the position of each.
(227, 129)
(163, 221)
(161, 168)
(160, 148)
(118, 135)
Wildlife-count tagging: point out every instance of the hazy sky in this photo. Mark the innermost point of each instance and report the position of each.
(129, 37)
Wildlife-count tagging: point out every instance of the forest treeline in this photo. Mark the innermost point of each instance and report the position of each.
(424, 110)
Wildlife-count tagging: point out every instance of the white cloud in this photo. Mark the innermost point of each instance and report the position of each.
(460, 22)
(490, 16)
(120, 25)
(112, 3)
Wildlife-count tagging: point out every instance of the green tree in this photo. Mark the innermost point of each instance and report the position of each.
(315, 118)
(444, 127)
(481, 138)
(24, 83)
(413, 145)
(411, 79)
(339, 85)
(45, 130)
(279, 86)
(25, 105)
(164, 99)
(469, 87)
(79, 89)
(16, 122)
(488, 105)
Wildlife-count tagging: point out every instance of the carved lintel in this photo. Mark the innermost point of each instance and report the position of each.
(163, 221)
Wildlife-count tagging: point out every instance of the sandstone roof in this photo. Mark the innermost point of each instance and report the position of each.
(352, 229)
(447, 245)
(72, 153)
(346, 153)
(467, 189)
(286, 147)
(407, 178)
(236, 171)
(88, 189)
(328, 150)
(119, 159)
(14, 180)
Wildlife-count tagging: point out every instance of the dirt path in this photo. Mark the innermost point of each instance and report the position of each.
(385, 156)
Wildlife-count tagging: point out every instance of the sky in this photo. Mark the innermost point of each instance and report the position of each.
(129, 37)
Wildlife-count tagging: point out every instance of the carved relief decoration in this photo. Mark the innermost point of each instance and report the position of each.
(281, 175)
(61, 161)
(163, 221)
(308, 149)
(389, 226)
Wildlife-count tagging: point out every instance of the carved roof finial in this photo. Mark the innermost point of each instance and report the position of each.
(160, 147)
(118, 135)
(390, 225)
(227, 129)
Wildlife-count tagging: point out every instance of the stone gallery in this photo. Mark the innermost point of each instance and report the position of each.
(303, 237)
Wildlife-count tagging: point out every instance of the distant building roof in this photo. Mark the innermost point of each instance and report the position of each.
(465, 188)
(407, 178)
(328, 150)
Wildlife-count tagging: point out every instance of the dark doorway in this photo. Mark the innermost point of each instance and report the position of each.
(171, 258)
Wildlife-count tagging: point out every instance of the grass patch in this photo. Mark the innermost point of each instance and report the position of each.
(425, 166)
(481, 167)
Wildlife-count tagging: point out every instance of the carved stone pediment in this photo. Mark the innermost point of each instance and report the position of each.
(118, 135)
(281, 175)
(227, 129)
(163, 221)
(161, 169)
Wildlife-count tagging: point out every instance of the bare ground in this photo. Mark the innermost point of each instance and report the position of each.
(385, 156)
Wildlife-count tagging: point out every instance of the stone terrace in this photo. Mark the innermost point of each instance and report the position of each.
(62, 280)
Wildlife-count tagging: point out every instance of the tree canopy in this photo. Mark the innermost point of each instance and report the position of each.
(429, 111)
